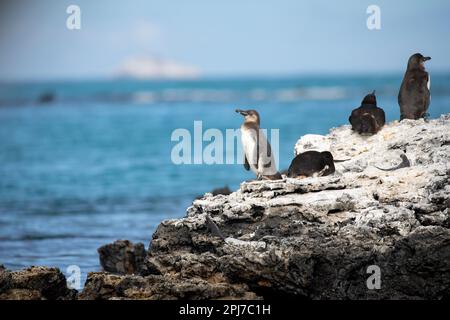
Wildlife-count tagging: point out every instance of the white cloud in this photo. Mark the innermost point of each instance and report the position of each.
(146, 61)
(147, 67)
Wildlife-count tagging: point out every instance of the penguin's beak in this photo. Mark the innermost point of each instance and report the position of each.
(426, 59)
(243, 112)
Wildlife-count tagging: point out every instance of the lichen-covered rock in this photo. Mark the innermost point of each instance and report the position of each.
(316, 238)
(5, 279)
(105, 286)
(34, 283)
(122, 257)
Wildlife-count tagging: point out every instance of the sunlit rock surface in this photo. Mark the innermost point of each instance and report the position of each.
(315, 238)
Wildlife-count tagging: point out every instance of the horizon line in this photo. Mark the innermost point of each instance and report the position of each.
(210, 77)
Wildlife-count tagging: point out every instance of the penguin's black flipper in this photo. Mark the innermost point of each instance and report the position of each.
(246, 165)
(355, 120)
(381, 115)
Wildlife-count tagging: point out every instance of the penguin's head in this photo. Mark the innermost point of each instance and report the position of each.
(328, 156)
(329, 161)
(370, 99)
(417, 61)
(250, 115)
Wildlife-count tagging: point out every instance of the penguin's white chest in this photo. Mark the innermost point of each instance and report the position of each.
(249, 142)
(250, 147)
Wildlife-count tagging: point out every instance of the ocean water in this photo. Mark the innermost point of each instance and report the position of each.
(85, 163)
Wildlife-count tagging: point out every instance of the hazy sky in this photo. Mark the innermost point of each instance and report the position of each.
(232, 37)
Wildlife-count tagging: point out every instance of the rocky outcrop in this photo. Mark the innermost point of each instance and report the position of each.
(101, 286)
(122, 257)
(361, 233)
(34, 283)
(128, 277)
(316, 238)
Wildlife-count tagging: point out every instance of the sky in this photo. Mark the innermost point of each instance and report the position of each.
(220, 38)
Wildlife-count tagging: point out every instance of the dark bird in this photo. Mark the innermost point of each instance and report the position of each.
(311, 164)
(414, 96)
(368, 118)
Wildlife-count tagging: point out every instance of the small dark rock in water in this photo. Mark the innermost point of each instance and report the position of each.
(46, 97)
(34, 283)
(122, 257)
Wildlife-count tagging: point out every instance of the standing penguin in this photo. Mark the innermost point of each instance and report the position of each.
(368, 118)
(414, 95)
(257, 151)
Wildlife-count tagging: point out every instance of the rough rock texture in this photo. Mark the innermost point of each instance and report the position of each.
(224, 190)
(101, 285)
(5, 279)
(122, 257)
(34, 283)
(314, 238)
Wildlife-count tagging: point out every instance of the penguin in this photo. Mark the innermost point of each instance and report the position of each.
(311, 164)
(257, 151)
(368, 118)
(414, 95)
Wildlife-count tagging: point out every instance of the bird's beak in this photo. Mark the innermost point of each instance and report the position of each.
(244, 113)
(426, 58)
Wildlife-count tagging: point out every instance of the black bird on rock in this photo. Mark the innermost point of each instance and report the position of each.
(311, 164)
(368, 118)
(414, 96)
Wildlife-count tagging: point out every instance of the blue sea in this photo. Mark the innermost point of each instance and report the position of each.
(84, 163)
